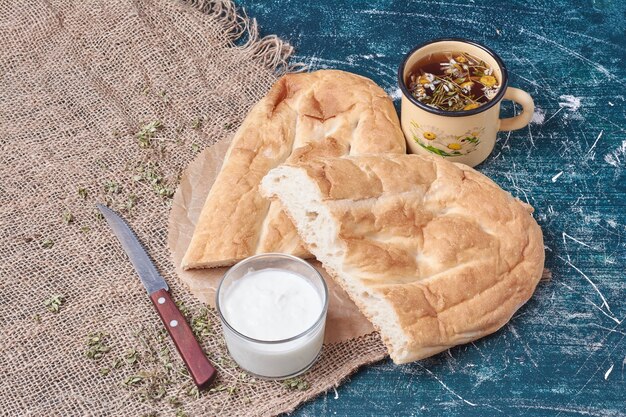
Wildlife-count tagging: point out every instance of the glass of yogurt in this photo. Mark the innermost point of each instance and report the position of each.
(273, 312)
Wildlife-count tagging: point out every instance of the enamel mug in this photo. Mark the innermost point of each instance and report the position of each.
(466, 136)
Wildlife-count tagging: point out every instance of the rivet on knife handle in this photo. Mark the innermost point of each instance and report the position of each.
(190, 350)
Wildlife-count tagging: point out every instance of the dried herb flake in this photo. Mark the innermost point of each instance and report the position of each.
(147, 132)
(54, 303)
(83, 193)
(47, 243)
(296, 384)
(68, 218)
(151, 174)
(112, 187)
(131, 357)
(133, 380)
(200, 324)
(97, 345)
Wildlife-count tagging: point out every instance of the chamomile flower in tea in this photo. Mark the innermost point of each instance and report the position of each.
(453, 81)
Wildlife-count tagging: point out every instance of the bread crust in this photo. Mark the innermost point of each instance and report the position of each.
(452, 255)
(305, 115)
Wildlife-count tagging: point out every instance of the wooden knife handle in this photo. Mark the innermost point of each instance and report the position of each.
(199, 367)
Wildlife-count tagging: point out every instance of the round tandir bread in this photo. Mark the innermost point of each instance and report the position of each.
(434, 253)
(322, 113)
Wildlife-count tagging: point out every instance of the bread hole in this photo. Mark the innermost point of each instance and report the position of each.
(365, 294)
(313, 245)
(312, 215)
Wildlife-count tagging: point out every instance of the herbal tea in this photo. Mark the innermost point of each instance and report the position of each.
(452, 81)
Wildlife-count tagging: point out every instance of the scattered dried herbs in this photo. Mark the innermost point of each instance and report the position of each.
(97, 346)
(150, 173)
(155, 377)
(174, 401)
(130, 203)
(147, 132)
(296, 384)
(83, 193)
(245, 376)
(54, 303)
(224, 361)
(165, 358)
(221, 388)
(47, 243)
(197, 123)
(85, 229)
(133, 380)
(68, 218)
(112, 187)
(200, 324)
(184, 309)
(131, 357)
(193, 392)
(118, 363)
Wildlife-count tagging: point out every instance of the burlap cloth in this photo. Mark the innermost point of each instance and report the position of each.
(79, 81)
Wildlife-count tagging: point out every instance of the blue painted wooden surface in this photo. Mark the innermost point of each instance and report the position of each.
(564, 353)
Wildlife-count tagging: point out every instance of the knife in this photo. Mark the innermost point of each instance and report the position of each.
(199, 367)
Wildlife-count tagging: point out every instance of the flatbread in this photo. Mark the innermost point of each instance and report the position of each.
(323, 113)
(434, 253)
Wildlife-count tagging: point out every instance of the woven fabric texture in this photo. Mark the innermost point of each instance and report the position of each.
(108, 102)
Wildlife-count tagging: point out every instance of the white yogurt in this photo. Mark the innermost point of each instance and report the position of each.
(272, 304)
(273, 318)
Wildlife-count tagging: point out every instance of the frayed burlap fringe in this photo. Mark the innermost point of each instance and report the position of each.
(108, 102)
(270, 50)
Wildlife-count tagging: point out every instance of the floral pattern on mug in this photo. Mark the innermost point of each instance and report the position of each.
(442, 144)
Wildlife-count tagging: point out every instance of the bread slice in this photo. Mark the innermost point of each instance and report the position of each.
(434, 253)
(322, 113)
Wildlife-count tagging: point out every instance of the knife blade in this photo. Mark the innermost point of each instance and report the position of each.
(199, 367)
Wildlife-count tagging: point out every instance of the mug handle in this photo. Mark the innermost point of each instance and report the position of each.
(521, 120)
